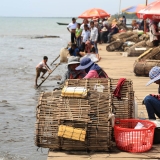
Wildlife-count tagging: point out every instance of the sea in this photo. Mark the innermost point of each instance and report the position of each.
(20, 52)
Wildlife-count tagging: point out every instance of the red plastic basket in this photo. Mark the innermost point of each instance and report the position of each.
(133, 140)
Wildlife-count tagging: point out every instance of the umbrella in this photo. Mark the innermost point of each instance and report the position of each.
(151, 11)
(95, 12)
(133, 9)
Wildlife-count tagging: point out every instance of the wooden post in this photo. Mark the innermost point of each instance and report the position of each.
(145, 25)
(48, 75)
(55, 60)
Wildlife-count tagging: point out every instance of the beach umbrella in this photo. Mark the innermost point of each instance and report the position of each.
(151, 11)
(133, 9)
(94, 12)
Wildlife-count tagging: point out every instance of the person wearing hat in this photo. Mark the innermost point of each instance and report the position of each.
(152, 102)
(71, 73)
(72, 29)
(114, 29)
(92, 69)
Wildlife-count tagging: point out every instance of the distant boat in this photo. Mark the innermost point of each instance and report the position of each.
(62, 23)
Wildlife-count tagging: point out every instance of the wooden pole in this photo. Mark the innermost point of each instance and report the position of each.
(55, 60)
(145, 25)
(48, 75)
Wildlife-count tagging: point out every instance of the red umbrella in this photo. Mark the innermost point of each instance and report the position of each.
(151, 11)
(95, 12)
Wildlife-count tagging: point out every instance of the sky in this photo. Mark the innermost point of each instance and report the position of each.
(61, 8)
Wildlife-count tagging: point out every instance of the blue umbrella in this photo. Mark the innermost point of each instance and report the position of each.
(133, 9)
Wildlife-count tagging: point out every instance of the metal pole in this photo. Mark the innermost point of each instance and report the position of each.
(145, 25)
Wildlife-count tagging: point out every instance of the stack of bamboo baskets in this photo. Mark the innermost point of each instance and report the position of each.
(146, 61)
(90, 113)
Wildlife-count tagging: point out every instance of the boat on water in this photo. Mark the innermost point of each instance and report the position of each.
(62, 23)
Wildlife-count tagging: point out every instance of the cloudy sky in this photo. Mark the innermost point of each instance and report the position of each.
(60, 8)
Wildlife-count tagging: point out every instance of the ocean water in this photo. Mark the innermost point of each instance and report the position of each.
(20, 52)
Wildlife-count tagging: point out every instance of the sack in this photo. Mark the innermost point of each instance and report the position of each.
(72, 133)
(79, 92)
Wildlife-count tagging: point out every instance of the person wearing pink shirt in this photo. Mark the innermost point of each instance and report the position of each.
(92, 69)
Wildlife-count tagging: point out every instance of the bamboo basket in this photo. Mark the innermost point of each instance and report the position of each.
(153, 53)
(144, 37)
(115, 45)
(90, 114)
(123, 108)
(142, 68)
(135, 53)
(149, 44)
(133, 38)
(122, 35)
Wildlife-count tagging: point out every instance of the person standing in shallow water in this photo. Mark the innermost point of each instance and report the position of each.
(42, 67)
(72, 29)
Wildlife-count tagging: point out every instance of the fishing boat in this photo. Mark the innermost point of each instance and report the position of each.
(62, 23)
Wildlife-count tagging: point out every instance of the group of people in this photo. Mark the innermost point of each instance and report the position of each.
(86, 69)
(82, 69)
(77, 69)
(95, 31)
(151, 27)
(84, 38)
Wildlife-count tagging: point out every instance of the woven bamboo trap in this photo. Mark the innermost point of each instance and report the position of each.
(142, 68)
(146, 61)
(122, 35)
(115, 45)
(152, 54)
(88, 114)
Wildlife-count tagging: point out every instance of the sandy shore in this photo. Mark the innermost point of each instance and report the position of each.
(117, 66)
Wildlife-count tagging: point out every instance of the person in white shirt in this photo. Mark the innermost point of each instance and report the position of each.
(85, 36)
(42, 67)
(72, 29)
(94, 35)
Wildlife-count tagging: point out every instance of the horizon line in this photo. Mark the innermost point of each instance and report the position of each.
(31, 17)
